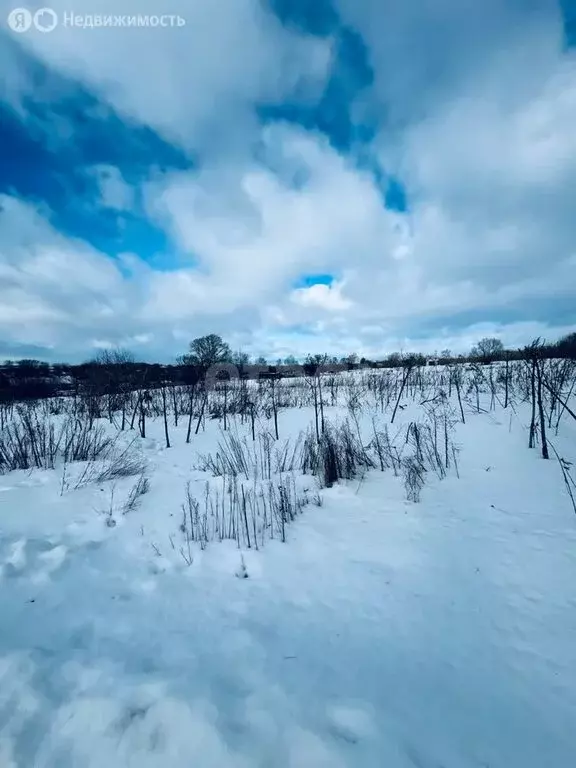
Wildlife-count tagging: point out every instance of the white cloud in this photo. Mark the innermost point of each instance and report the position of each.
(187, 82)
(480, 105)
(254, 233)
(327, 297)
(53, 291)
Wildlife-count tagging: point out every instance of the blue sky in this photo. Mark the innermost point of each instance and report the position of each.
(338, 175)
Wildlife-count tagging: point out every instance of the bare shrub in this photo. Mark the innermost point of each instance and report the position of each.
(246, 515)
(115, 463)
(260, 459)
(139, 489)
(414, 477)
(338, 455)
(32, 439)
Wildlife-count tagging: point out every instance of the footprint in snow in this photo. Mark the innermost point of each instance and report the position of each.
(33, 558)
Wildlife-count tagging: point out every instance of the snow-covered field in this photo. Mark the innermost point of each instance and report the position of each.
(383, 633)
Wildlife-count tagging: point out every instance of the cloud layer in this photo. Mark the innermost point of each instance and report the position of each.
(218, 179)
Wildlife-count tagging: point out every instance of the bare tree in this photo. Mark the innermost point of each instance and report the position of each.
(115, 356)
(488, 349)
(241, 360)
(207, 351)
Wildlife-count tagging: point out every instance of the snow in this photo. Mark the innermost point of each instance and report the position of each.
(382, 633)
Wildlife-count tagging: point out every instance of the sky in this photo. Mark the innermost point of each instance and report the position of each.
(298, 176)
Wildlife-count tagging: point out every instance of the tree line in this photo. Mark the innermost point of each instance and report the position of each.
(116, 371)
